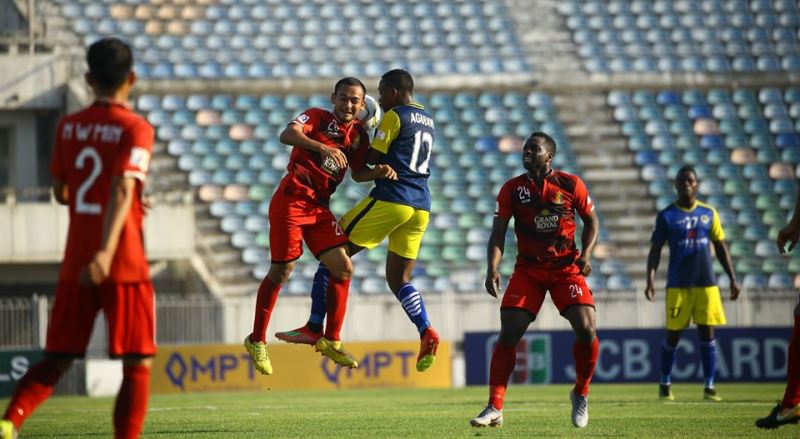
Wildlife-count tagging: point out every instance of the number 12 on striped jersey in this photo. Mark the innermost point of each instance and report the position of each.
(423, 141)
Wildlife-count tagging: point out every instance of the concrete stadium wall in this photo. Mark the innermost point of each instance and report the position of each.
(33, 81)
(37, 232)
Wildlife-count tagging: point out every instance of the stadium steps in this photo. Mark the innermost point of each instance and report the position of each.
(59, 30)
(612, 177)
(544, 36)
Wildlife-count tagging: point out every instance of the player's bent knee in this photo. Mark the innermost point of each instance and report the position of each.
(343, 273)
(279, 273)
(340, 267)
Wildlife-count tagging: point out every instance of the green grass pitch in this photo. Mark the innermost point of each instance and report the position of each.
(625, 410)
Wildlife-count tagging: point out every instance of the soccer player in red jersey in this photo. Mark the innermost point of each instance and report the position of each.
(787, 411)
(543, 202)
(323, 142)
(99, 166)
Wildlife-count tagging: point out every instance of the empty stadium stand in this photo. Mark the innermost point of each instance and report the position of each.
(227, 146)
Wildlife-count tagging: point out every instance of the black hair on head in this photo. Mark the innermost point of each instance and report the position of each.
(349, 81)
(399, 80)
(110, 61)
(548, 141)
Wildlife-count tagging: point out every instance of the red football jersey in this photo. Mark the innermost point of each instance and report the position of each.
(544, 217)
(309, 174)
(93, 146)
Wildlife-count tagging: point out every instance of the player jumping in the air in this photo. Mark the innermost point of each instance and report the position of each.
(323, 142)
(397, 209)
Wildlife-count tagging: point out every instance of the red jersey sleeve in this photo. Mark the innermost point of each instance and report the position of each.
(504, 208)
(309, 120)
(133, 159)
(357, 155)
(582, 201)
(57, 170)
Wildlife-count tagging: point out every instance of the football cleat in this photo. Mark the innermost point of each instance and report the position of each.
(580, 409)
(7, 430)
(665, 392)
(258, 353)
(779, 416)
(488, 417)
(302, 335)
(709, 394)
(333, 349)
(427, 349)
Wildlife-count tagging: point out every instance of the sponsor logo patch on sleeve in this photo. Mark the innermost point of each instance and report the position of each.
(140, 158)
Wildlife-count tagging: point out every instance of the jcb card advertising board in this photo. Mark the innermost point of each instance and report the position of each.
(633, 355)
(201, 368)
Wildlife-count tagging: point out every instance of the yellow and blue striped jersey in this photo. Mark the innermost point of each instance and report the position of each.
(405, 136)
(689, 233)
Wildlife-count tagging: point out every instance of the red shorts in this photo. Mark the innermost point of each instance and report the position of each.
(130, 313)
(293, 219)
(528, 286)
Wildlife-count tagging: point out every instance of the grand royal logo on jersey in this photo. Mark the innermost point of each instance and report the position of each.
(329, 166)
(547, 221)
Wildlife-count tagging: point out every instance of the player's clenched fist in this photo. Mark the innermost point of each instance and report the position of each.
(335, 154)
(97, 271)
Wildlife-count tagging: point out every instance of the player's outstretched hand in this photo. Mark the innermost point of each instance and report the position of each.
(790, 234)
(650, 292)
(385, 171)
(493, 283)
(584, 266)
(735, 290)
(97, 271)
(336, 155)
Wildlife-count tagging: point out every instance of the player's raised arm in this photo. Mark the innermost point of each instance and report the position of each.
(293, 135)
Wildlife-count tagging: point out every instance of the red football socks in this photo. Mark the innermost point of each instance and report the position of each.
(131, 406)
(504, 359)
(265, 303)
(792, 395)
(585, 354)
(33, 389)
(336, 306)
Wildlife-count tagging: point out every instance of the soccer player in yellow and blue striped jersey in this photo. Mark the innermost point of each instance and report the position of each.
(690, 228)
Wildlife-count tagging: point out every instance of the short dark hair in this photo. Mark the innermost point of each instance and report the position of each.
(349, 81)
(399, 80)
(686, 168)
(110, 61)
(548, 141)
